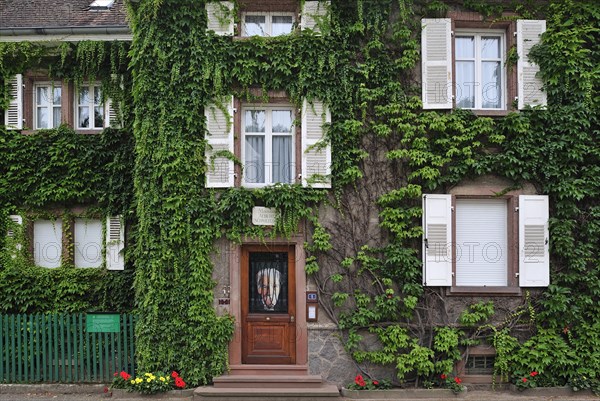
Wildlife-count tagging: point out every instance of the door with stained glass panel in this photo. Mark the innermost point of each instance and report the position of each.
(268, 305)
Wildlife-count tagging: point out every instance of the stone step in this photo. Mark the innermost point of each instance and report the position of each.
(268, 370)
(264, 381)
(325, 392)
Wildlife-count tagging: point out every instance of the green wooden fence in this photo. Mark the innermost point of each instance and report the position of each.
(58, 348)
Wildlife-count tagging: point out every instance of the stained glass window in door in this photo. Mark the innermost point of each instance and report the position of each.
(268, 282)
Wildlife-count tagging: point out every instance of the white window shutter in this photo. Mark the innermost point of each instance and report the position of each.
(111, 117)
(13, 116)
(436, 59)
(316, 154)
(47, 243)
(530, 87)
(534, 254)
(16, 219)
(115, 243)
(220, 170)
(220, 18)
(312, 12)
(437, 240)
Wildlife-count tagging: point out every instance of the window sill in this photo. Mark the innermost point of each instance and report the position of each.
(487, 113)
(485, 291)
(88, 131)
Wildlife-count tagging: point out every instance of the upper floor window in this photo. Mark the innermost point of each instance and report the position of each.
(267, 23)
(48, 100)
(464, 64)
(89, 108)
(268, 145)
(480, 82)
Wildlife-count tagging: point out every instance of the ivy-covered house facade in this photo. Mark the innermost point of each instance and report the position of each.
(399, 189)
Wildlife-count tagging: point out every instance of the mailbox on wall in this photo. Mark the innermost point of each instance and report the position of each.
(312, 306)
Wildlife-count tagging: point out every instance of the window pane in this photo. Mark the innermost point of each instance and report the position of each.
(57, 118)
(282, 121)
(490, 75)
(268, 282)
(84, 95)
(465, 47)
(98, 117)
(84, 117)
(254, 25)
(254, 159)
(57, 93)
(88, 243)
(255, 121)
(42, 95)
(42, 117)
(465, 81)
(490, 47)
(282, 159)
(47, 242)
(282, 25)
(97, 95)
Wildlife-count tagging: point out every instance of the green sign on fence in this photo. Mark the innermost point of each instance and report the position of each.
(103, 323)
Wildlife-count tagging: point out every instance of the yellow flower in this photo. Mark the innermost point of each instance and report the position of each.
(132, 381)
(162, 379)
(148, 380)
(149, 374)
(138, 380)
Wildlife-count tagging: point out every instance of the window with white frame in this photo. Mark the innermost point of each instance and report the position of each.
(89, 108)
(267, 145)
(88, 243)
(48, 100)
(480, 76)
(482, 242)
(267, 23)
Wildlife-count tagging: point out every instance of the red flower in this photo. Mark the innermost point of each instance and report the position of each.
(125, 375)
(375, 382)
(174, 374)
(533, 374)
(359, 381)
(105, 389)
(524, 380)
(179, 382)
(457, 380)
(116, 374)
(443, 376)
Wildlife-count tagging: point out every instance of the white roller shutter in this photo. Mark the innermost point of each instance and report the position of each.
(316, 154)
(115, 243)
(220, 170)
(436, 59)
(220, 19)
(534, 254)
(312, 13)
(481, 242)
(530, 87)
(112, 118)
(437, 240)
(88, 243)
(47, 243)
(13, 116)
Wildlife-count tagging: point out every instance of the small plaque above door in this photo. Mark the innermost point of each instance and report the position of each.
(264, 216)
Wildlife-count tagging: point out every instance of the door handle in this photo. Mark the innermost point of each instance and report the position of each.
(292, 319)
(268, 319)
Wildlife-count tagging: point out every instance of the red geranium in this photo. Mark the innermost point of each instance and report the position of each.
(125, 375)
(457, 380)
(533, 374)
(179, 382)
(359, 381)
(375, 382)
(443, 376)
(174, 374)
(524, 380)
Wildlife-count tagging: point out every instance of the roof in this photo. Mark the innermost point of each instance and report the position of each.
(59, 14)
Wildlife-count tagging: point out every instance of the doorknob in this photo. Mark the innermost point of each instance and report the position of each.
(268, 318)
(292, 319)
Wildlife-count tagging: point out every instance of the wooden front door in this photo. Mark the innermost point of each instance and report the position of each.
(268, 305)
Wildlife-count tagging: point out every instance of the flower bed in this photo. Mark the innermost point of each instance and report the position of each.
(148, 383)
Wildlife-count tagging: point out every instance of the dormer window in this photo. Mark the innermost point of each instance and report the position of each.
(99, 5)
(267, 23)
